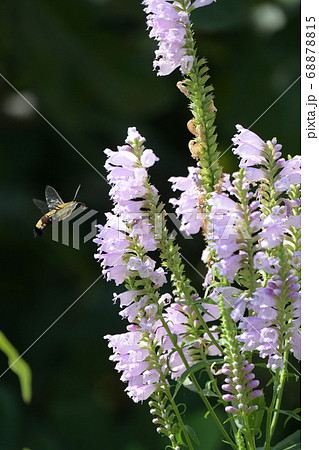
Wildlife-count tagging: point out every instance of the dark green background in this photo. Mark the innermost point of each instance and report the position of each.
(88, 65)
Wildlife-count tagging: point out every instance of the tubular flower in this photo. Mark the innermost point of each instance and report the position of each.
(132, 360)
(124, 242)
(249, 147)
(167, 25)
(276, 318)
(129, 225)
(187, 205)
(254, 231)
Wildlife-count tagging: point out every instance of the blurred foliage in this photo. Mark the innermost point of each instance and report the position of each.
(86, 66)
(17, 364)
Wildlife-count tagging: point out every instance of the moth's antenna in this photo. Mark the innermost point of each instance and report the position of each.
(76, 192)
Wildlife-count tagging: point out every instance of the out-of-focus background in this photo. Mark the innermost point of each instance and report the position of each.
(86, 66)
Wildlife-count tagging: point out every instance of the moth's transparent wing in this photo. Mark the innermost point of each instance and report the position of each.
(52, 197)
(41, 205)
(76, 192)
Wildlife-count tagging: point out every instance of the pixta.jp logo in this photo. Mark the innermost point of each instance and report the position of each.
(75, 221)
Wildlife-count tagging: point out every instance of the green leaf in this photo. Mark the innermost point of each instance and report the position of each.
(198, 366)
(18, 366)
(255, 418)
(292, 442)
(289, 413)
(192, 434)
(189, 385)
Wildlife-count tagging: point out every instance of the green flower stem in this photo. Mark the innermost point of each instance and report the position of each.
(232, 353)
(272, 413)
(247, 234)
(283, 321)
(171, 256)
(198, 388)
(203, 109)
(248, 435)
(179, 418)
(149, 289)
(172, 260)
(280, 390)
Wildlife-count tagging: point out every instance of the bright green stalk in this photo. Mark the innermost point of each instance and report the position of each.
(233, 355)
(198, 388)
(272, 414)
(204, 112)
(165, 394)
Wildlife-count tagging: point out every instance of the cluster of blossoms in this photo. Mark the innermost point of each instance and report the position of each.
(168, 21)
(125, 242)
(251, 225)
(254, 234)
(128, 225)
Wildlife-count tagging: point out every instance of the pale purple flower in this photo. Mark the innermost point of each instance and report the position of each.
(249, 147)
(269, 335)
(295, 342)
(130, 222)
(222, 203)
(120, 158)
(212, 311)
(291, 167)
(275, 362)
(131, 360)
(261, 332)
(289, 175)
(131, 311)
(126, 298)
(147, 267)
(296, 259)
(158, 277)
(167, 25)
(250, 339)
(238, 310)
(274, 228)
(267, 263)
(151, 310)
(134, 263)
(230, 295)
(148, 158)
(213, 350)
(187, 204)
(253, 174)
(230, 266)
(199, 3)
(112, 248)
(133, 136)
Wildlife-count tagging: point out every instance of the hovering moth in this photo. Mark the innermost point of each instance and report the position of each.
(54, 209)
